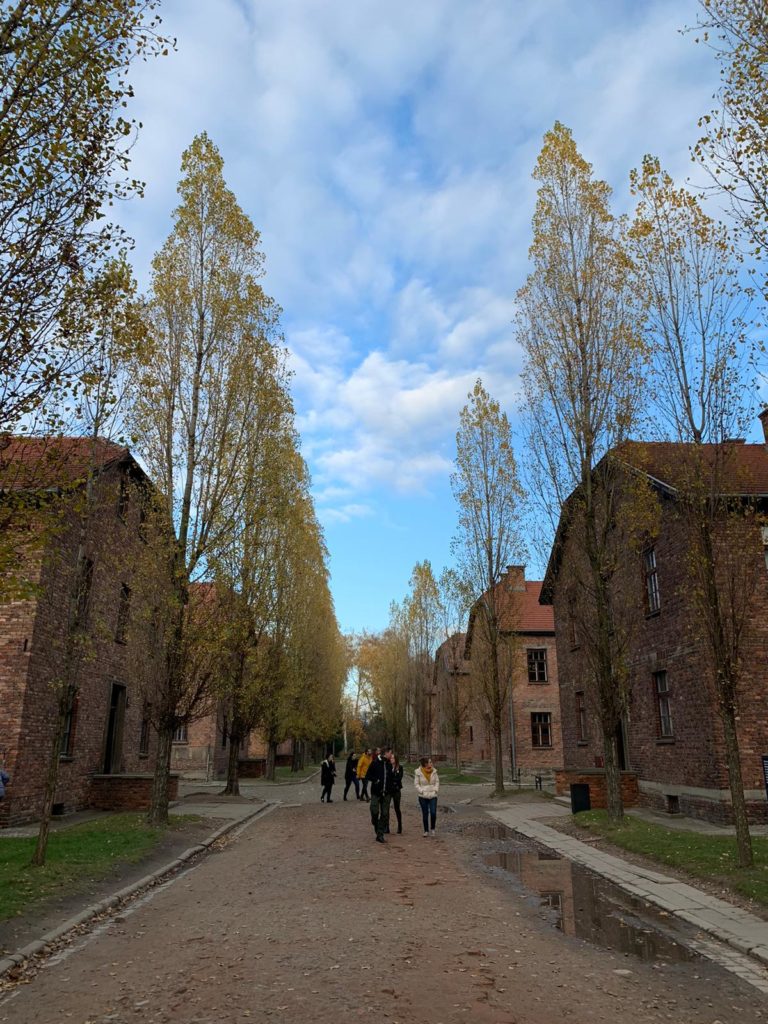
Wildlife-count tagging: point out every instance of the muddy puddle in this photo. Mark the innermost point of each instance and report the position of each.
(580, 903)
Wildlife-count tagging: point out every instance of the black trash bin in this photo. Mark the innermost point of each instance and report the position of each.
(580, 797)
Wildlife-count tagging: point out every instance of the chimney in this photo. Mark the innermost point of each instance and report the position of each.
(763, 417)
(514, 577)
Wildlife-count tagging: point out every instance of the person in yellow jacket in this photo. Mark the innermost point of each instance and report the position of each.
(363, 764)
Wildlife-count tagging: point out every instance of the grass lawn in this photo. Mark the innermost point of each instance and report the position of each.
(285, 774)
(708, 857)
(451, 776)
(89, 851)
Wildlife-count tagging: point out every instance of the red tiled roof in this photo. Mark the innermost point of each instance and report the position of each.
(50, 462)
(742, 468)
(521, 611)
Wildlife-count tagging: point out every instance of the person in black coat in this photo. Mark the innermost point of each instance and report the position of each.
(327, 778)
(397, 789)
(350, 775)
(379, 775)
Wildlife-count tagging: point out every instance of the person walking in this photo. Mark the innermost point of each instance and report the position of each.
(350, 775)
(427, 784)
(379, 775)
(327, 778)
(397, 790)
(363, 764)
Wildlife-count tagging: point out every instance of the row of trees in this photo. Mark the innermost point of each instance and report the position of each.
(193, 375)
(641, 327)
(631, 327)
(396, 668)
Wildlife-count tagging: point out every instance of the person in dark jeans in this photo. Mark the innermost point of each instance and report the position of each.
(379, 775)
(397, 789)
(427, 784)
(327, 778)
(350, 775)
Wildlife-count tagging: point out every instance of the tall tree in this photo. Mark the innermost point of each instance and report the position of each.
(489, 498)
(733, 146)
(107, 333)
(578, 324)
(422, 611)
(698, 337)
(211, 325)
(64, 147)
(454, 605)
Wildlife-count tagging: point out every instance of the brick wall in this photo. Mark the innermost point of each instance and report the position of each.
(29, 678)
(130, 792)
(691, 763)
(595, 779)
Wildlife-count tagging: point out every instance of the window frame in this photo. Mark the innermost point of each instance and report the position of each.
(651, 581)
(67, 741)
(535, 664)
(541, 721)
(582, 725)
(664, 722)
(123, 614)
(181, 733)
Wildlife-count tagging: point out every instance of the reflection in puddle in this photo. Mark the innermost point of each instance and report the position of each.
(583, 904)
(487, 830)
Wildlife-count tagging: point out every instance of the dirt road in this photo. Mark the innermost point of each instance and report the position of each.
(304, 917)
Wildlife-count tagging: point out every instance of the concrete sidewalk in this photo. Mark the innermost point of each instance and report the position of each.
(723, 921)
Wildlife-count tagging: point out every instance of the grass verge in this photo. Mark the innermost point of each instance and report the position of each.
(453, 777)
(284, 774)
(711, 858)
(86, 851)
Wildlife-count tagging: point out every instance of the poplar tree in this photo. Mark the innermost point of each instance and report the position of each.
(489, 500)
(65, 140)
(579, 326)
(733, 146)
(211, 325)
(698, 339)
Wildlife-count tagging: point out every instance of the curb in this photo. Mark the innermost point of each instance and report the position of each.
(756, 950)
(32, 948)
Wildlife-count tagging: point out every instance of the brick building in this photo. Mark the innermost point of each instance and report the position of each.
(201, 749)
(670, 744)
(84, 586)
(532, 738)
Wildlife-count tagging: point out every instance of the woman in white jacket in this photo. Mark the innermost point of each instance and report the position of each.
(427, 785)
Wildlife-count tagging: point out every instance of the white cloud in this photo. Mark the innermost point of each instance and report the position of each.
(385, 153)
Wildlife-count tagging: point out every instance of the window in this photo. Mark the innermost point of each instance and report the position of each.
(581, 718)
(652, 597)
(146, 726)
(471, 734)
(554, 901)
(83, 593)
(541, 728)
(537, 665)
(123, 614)
(122, 499)
(68, 733)
(180, 736)
(664, 711)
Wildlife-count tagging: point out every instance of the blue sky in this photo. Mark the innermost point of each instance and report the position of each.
(384, 151)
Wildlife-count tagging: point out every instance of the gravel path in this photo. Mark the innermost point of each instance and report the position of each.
(304, 917)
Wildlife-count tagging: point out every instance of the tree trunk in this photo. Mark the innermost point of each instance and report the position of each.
(498, 757)
(158, 811)
(295, 755)
(269, 769)
(52, 776)
(740, 820)
(614, 802)
(457, 752)
(232, 787)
